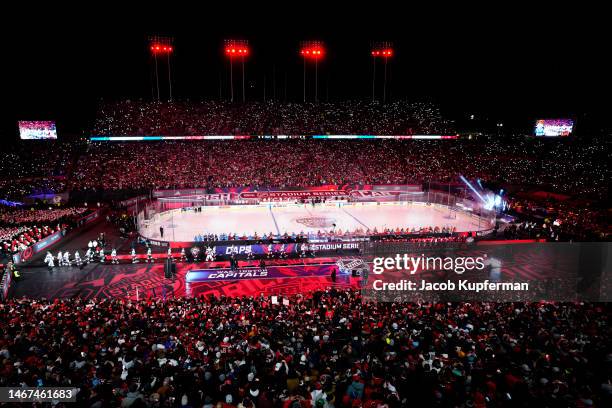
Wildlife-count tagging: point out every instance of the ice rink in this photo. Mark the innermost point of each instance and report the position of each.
(262, 219)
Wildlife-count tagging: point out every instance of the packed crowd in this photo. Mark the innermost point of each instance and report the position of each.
(558, 221)
(35, 166)
(21, 228)
(17, 238)
(32, 216)
(192, 118)
(112, 171)
(33, 159)
(575, 167)
(325, 349)
(19, 188)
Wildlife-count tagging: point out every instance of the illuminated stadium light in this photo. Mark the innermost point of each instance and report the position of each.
(495, 202)
(384, 50)
(491, 201)
(236, 48)
(162, 46)
(313, 51)
(233, 49)
(383, 53)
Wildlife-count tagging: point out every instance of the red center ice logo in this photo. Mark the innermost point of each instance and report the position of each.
(316, 222)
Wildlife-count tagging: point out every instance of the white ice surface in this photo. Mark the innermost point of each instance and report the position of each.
(263, 219)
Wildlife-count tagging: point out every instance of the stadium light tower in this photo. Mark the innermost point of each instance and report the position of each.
(160, 46)
(233, 49)
(313, 51)
(384, 50)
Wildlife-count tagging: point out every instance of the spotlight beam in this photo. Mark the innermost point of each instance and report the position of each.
(467, 183)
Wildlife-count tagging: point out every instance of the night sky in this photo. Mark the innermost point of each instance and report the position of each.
(510, 65)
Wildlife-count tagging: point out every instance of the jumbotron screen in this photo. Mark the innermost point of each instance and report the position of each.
(554, 127)
(36, 130)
